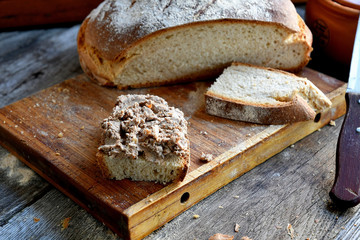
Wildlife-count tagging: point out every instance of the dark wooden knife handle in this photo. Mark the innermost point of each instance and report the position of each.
(346, 189)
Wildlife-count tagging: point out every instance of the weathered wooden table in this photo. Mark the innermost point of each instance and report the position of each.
(284, 198)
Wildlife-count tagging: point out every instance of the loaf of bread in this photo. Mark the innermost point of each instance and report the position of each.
(144, 139)
(264, 95)
(143, 43)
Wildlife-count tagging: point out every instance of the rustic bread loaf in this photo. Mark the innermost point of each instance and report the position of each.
(264, 95)
(149, 42)
(144, 139)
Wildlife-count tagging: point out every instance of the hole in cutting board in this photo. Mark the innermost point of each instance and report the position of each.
(317, 117)
(185, 197)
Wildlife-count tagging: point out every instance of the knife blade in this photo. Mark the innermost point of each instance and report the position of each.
(345, 191)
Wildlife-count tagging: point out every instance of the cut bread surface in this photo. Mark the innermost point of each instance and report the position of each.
(264, 95)
(144, 139)
(135, 54)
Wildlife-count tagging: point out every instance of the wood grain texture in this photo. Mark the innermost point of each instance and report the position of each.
(28, 61)
(19, 186)
(41, 12)
(76, 107)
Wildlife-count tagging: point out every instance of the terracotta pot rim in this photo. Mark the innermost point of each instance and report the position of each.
(339, 8)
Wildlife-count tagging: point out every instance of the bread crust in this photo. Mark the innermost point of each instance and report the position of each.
(287, 112)
(101, 63)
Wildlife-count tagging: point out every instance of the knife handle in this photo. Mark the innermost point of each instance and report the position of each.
(346, 189)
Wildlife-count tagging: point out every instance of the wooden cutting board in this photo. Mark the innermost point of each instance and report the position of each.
(57, 131)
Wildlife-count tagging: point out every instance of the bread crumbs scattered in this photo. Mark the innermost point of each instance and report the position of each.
(203, 133)
(206, 157)
(319, 130)
(236, 196)
(219, 236)
(82, 127)
(316, 220)
(221, 207)
(245, 238)
(196, 216)
(292, 145)
(237, 227)
(290, 231)
(65, 223)
(36, 219)
(57, 154)
(60, 135)
(332, 123)
(342, 228)
(278, 227)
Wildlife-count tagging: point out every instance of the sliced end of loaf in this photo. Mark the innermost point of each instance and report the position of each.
(264, 95)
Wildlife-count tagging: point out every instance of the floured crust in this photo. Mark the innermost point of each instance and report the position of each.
(115, 25)
(288, 112)
(105, 50)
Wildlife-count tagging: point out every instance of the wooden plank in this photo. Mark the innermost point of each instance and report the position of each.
(41, 12)
(125, 206)
(45, 218)
(34, 60)
(19, 186)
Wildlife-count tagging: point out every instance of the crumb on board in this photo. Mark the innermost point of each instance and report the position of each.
(290, 231)
(60, 135)
(332, 123)
(65, 223)
(57, 154)
(206, 157)
(82, 127)
(203, 133)
(236, 196)
(292, 145)
(245, 238)
(219, 236)
(196, 216)
(237, 227)
(221, 207)
(36, 219)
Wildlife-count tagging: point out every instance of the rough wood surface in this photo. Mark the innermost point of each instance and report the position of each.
(41, 12)
(290, 188)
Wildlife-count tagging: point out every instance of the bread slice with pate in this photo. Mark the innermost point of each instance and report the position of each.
(144, 139)
(263, 95)
(149, 42)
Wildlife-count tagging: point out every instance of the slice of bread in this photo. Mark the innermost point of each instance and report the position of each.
(144, 139)
(148, 43)
(264, 95)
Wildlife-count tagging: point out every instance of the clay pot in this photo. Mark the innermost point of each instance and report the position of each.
(333, 24)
